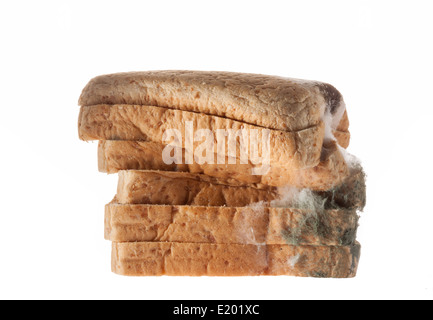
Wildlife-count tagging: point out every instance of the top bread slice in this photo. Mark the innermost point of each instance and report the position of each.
(267, 101)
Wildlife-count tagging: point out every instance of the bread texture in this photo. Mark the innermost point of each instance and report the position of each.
(205, 259)
(224, 225)
(342, 137)
(114, 156)
(182, 188)
(298, 149)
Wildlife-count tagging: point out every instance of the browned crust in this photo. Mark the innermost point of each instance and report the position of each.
(343, 126)
(343, 138)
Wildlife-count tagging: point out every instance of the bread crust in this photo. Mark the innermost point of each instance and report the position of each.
(268, 101)
(224, 225)
(204, 259)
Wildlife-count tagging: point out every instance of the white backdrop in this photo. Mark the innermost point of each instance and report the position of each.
(377, 53)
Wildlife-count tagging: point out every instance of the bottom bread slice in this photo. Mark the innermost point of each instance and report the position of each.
(203, 259)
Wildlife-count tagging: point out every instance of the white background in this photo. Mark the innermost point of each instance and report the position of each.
(377, 53)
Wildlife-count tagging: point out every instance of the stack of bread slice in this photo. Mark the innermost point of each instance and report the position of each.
(193, 206)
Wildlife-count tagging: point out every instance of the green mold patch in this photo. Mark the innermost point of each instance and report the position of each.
(323, 228)
(350, 194)
(330, 217)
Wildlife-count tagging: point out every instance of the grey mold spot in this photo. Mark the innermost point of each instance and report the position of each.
(332, 96)
(355, 251)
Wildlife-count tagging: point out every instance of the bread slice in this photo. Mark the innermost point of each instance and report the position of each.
(267, 101)
(205, 259)
(182, 188)
(224, 225)
(298, 149)
(114, 156)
